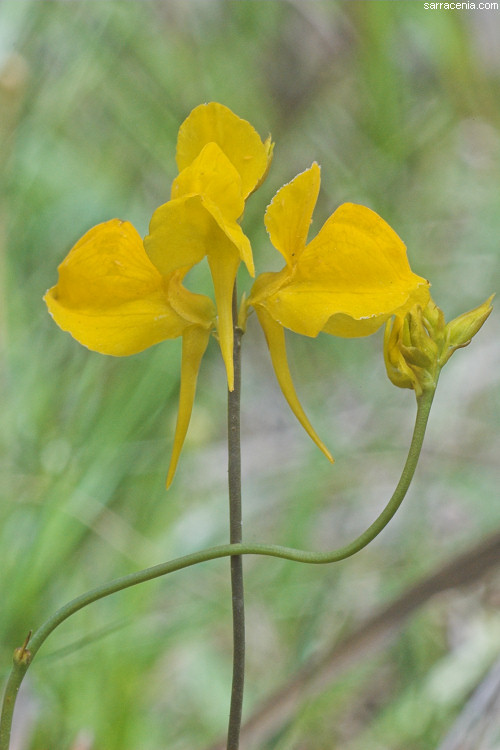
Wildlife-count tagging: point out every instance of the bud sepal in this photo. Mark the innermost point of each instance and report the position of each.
(460, 331)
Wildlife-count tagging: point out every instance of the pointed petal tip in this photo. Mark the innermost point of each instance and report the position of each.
(230, 375)
(174, 459)
(226, 340)
(320, 445)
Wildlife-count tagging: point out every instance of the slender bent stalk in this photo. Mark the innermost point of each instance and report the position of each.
(235, 537)
(119, 584)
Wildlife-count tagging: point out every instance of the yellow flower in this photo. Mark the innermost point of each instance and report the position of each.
(221, 159)
(113, 300)
(347, 281)
(118, 295)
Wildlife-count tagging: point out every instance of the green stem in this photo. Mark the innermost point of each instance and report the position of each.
(235, 537)
(212, 553)
(11, 690)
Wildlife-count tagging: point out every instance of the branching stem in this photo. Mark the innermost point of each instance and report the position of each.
(20, 666)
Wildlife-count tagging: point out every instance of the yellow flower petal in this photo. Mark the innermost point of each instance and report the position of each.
(224, 266)
(184, 230)
(240, 142)
(289, 214)
(275, 337)
(216, 181)
(194, 344)
(111, 298)
(195, 309)
(178, 233)
(269, 149)
(212, 176)
(235, 234)
(349, 280)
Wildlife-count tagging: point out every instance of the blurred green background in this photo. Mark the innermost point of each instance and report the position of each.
(400, 106)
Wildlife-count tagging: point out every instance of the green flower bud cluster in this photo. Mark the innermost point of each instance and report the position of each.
(417, 346)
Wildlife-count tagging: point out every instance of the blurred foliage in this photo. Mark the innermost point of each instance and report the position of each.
(400, 106)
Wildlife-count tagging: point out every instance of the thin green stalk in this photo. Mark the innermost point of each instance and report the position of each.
(20, 665)
(11, 690)
(235, 537)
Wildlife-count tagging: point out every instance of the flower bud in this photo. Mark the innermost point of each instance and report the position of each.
(460, 331)
(422, 349)
(398, 371)
(434, 320)
(417, 347)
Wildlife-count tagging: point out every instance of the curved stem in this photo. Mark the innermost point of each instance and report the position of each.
(11, 690)
(212, 553)
(235, 537)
